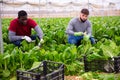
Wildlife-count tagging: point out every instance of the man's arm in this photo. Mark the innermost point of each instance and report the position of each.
(39, 31)
(69, 29)
(89, 29)
(13, 37)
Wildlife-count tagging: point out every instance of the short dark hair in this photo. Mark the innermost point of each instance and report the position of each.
(85, 11)
(22, 13)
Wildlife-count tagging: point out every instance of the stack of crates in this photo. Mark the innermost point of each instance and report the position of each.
(48, 70)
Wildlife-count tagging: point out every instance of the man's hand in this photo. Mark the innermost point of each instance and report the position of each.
(41, 42)
(86, 37)
(78, 33)
(85, 33)
(27, 38)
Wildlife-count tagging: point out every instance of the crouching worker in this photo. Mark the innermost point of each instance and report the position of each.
(20, 29)
(79, 28)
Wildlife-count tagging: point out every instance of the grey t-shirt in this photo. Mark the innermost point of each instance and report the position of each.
(76, 25)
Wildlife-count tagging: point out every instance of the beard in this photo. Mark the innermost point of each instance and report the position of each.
(83, 20)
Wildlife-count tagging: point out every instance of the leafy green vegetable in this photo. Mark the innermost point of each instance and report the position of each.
(106, 31)
(35, 64)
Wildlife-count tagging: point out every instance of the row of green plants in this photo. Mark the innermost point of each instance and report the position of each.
(106, 31)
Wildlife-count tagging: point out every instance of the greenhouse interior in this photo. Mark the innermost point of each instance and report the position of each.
(59, 39)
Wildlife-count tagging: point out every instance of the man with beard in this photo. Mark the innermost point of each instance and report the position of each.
(20, 29)
(79, 28)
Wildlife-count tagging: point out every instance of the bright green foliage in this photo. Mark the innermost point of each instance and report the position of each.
(106, 31)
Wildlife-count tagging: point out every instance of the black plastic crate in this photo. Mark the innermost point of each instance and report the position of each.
(48, 70)
(111, 65)
(117, 64)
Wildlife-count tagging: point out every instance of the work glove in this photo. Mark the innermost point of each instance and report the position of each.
(78, 33)
(86, 37)
(27, 38)
(41, 42)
